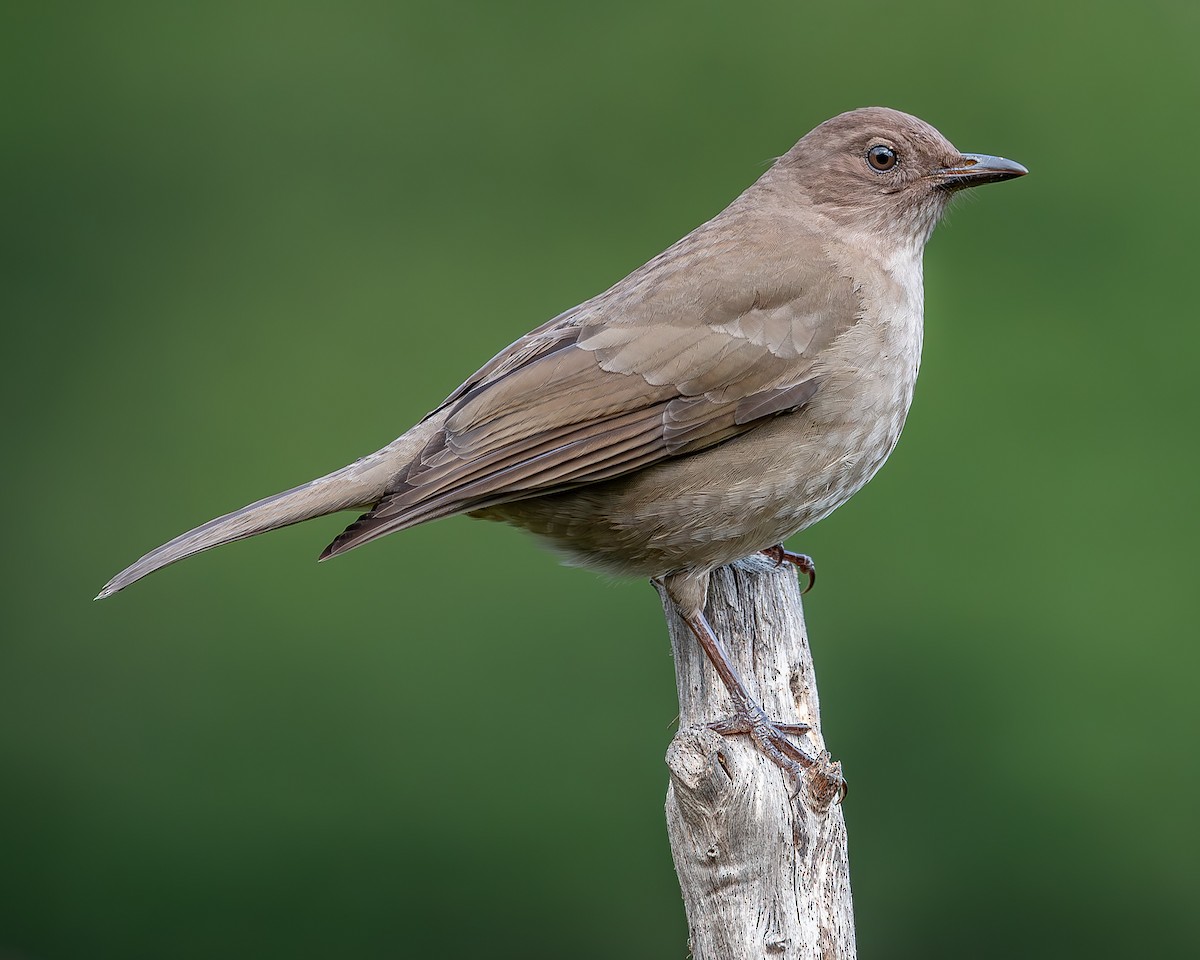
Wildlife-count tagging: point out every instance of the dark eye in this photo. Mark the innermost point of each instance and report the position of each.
(881, 158)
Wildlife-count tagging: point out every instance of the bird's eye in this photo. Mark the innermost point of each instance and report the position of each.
(881, 158)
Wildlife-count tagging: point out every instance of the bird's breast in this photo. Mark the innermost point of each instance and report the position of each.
(870, 375)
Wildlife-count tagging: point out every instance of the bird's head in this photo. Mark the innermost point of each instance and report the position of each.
(876, 167)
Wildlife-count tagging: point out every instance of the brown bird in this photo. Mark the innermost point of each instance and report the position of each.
(737, 388)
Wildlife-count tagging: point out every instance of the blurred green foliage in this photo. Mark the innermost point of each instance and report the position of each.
(246, 243)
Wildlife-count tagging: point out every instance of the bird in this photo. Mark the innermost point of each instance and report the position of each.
(729, 393)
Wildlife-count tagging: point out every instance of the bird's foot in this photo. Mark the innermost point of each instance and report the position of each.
(770, 737)
(800, 561)
(825, 782)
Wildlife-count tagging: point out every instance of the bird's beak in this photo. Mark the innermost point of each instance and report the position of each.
(976, 168)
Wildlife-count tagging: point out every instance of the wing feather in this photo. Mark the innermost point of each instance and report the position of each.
(689, 351)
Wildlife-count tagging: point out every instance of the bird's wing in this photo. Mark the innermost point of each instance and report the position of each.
(698, 346)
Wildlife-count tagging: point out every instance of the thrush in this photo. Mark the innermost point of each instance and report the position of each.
(735, 389)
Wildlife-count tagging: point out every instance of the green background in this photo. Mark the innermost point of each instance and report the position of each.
(244, 244)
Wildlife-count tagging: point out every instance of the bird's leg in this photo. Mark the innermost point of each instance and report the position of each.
(800, 561)
(748, 717)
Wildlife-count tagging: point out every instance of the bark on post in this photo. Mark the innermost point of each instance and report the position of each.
(763, 874)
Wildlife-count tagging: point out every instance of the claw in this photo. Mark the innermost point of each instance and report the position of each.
(800, 561)
(767, 735)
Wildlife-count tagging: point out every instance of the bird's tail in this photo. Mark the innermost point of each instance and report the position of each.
(358, 485)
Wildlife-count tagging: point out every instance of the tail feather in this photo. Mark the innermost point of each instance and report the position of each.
(362, 484)
(326, 495)
(353, 487)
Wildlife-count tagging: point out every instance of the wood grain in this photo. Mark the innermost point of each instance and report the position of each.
(764, 874)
